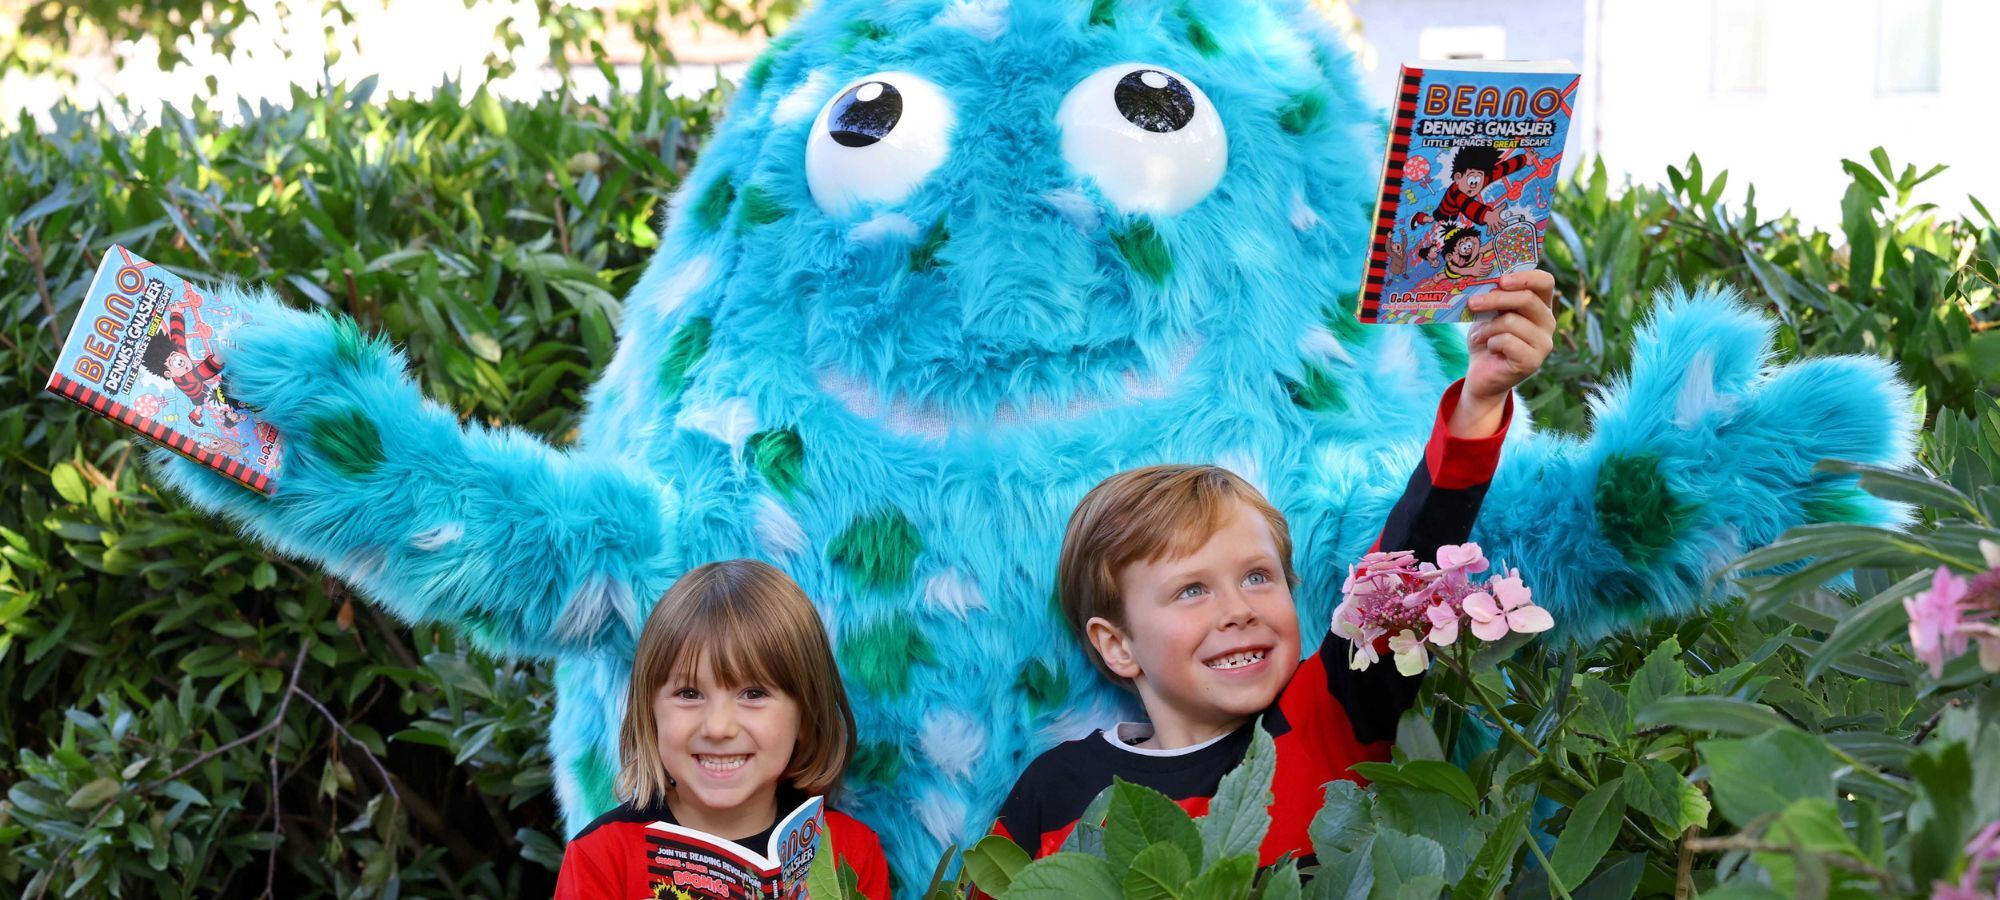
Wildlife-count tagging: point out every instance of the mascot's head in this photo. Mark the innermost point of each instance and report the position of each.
(978, 215)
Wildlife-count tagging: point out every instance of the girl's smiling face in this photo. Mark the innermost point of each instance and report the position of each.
(726, 748)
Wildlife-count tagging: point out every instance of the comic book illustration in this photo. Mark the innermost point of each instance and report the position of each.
(685, 864)
(149, 352)
(1474, 147)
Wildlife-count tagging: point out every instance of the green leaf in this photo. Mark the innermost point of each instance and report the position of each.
(1230, 879)
(822, 874)
(1344, 823)
(1064, 876)
(69, 483)
(1280, 882)
(993, 862)
(1159, 872)
(1442, 777)
(1762, 775)
(1723, 715)
(1493, 865)
(94, 794)
(1865, 627)
(1941, 820)
(1240, 813)
(1662, 675)
(1618, 881)
(1140, 817)
(1592, 825)
(1399, 859)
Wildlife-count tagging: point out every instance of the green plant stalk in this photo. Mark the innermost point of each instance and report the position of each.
(1555, 883)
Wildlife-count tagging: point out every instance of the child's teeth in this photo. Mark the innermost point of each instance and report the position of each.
(1237, 660)
(723, 763)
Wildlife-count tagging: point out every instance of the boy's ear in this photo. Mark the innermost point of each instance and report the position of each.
(1113, 645)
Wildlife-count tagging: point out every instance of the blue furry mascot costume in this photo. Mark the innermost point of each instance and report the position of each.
(946, 265)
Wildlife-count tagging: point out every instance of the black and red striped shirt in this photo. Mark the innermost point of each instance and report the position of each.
(1327, 718)
(193, 382)
(1458, 204)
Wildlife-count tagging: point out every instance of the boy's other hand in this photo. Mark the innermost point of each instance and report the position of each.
(1505, 349)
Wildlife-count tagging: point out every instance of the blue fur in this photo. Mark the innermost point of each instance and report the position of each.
(1026, 312)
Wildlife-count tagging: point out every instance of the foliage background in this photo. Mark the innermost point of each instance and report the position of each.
(189, 716)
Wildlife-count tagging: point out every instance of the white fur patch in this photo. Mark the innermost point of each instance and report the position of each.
(952, 590)
(882, 227)
(1698, 397)
(985, 19)
(777, 530)
(1246, 466)
(594, 605)
(692, 276)
(433, 538)
(953, 741)
(803, 102)
(1398, 356)
(1319, 343)
(1076, 207)
(943, 815)
(730, 421)
(1303, 216)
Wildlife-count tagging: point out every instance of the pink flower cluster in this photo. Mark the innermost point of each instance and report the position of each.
(1981, 853)
(1415, 603)
(1957, 612)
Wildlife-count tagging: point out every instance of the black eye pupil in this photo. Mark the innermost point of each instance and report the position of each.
(865, 114)
(1155, 101)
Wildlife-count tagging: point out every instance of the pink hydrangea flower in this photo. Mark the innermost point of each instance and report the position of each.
(1467, 558)
(1444, 624)
(1411, 657)
(1506, 606)
(1934, 620)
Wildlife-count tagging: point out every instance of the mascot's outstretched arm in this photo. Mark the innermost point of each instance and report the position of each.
(534, 551)
(1704, 451)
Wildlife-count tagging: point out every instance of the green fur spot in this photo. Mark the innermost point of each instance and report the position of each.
(781, 459)
(349, 343)
(596, 778)
(1340, 320)
(876, 763)
(760, 207)
(879, 551)
(1449, 342)
(1316, 391)
(347, 440)
(861, 32)
(1837, 503)
(879, 657)
(1103, 12)
(1198, 35)
(1045, 687)
(713, 204)
(759, 71)
(684, 349)
(1143, 248)
(1303, 111)
(923, 257)
(1637, 510)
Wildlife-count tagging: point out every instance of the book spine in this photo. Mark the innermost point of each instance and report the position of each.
(170, 438)
(1369, 308)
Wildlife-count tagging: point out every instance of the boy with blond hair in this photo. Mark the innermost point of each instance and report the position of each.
(1179, 578)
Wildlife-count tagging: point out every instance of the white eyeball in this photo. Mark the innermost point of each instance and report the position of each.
(1147, 135)
(876, 140)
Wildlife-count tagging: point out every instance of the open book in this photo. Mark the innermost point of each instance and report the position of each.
(695, 865)
(1473, 151)
(147, 352)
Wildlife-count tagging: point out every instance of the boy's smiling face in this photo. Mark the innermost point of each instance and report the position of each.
(1210, 638)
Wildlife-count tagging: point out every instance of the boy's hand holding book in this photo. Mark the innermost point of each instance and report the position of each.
(1505, 349)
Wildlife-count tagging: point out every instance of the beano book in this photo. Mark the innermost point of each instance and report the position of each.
(695, 865)
(149, 352)
(1474, 146)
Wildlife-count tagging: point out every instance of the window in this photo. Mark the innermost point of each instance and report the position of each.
(1908, 33)
(1475, 42)
(1739, 46)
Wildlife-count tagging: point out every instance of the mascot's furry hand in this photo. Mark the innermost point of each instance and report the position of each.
(944, 266)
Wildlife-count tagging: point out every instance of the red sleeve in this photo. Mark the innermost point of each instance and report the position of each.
(1454, 462)
(208, 369)
(177, 331)
(591, 868)
(1508, 166)
(858, 847)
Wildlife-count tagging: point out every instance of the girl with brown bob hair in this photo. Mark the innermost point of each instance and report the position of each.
(735, 716)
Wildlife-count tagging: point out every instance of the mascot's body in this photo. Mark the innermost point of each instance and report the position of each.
(946, 266)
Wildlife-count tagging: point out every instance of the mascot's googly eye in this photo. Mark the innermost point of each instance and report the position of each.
(876, 140)
(1147, 135)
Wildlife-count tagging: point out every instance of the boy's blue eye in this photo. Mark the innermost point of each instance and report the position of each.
(1258, 577)
(1189, 592)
